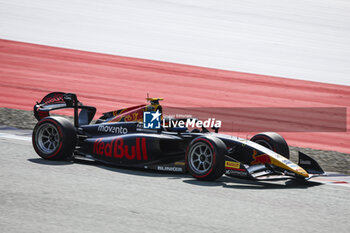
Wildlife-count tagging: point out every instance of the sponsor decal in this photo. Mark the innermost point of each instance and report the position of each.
(117, 149)
(230, 164)
(286, 161)
(305, 162)
(180, 163)
(151, 120)
(235, 173)
(278, 156)
(53, 98)
(139, 126)
(171, 169)
(289, 163)
(260, 159)
(112, 129)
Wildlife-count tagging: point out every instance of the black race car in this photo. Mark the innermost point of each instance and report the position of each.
(120, 138)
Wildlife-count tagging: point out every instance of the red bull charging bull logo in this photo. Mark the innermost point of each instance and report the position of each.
(260, 159)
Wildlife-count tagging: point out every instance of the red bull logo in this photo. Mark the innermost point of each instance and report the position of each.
(117, 149)
(260, 159)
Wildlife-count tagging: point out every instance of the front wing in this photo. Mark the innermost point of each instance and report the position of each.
(271, 172)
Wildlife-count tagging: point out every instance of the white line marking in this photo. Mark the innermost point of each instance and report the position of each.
(17, 137)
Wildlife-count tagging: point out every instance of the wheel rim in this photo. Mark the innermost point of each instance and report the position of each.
(201, 157)
(47, 138)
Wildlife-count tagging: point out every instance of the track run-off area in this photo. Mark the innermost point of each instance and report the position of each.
(29, 71)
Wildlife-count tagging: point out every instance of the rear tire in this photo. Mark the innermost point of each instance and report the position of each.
(272, 141)
(54, 138)
(205, 158)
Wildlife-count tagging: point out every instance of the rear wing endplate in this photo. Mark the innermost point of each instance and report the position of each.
(61, 100)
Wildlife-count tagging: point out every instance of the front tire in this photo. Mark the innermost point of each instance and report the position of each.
(272, 141)
(205, 158)
(54, 138)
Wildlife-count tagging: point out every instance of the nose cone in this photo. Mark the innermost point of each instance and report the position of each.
(300, 171)
(288, 165)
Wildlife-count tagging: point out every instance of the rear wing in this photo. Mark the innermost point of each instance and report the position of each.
(61, 100)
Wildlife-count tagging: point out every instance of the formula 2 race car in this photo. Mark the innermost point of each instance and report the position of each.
(120, 138)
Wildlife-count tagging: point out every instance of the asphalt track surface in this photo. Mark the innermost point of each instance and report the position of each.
(43, 196)
(28, 72)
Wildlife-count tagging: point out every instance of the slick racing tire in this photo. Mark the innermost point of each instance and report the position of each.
(205, 158)
(272, 141)
(54, 138)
